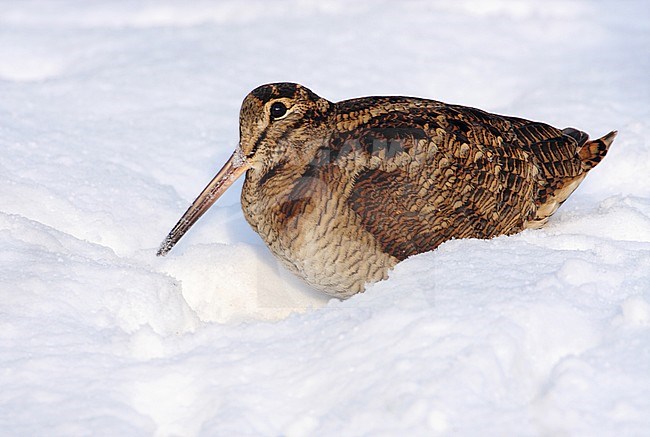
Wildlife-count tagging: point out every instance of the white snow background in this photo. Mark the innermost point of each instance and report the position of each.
(115, 114)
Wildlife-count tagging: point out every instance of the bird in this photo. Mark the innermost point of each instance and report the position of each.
(342, 192)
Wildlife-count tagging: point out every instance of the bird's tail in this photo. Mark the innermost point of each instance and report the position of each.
(592, 152)
(558, 190)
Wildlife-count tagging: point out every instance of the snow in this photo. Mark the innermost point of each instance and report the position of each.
(114, 115)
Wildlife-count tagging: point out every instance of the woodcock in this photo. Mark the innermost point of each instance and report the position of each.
(341, 192)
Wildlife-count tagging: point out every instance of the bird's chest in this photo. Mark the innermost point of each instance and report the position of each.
(316, 236)
(297, 228)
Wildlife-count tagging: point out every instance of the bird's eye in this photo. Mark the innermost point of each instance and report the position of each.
(278, 110)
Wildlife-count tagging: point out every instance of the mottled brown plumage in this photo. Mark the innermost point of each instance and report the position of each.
(341, 192)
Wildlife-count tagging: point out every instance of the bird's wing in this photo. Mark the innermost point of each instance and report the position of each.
(432, 173)
(557, 155)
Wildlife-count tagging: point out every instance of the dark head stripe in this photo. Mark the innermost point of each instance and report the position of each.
(275, 91)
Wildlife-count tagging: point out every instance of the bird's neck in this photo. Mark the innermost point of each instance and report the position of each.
(266, 194)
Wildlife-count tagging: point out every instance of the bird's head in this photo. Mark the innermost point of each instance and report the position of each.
(281, 122)
(278, 123)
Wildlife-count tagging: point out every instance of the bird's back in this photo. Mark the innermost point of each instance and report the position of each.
(427, 172)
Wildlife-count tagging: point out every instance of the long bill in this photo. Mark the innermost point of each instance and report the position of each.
(228, 174)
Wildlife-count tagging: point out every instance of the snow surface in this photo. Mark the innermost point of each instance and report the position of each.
(115, 114)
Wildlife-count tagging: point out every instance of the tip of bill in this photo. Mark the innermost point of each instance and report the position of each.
(165, 247)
